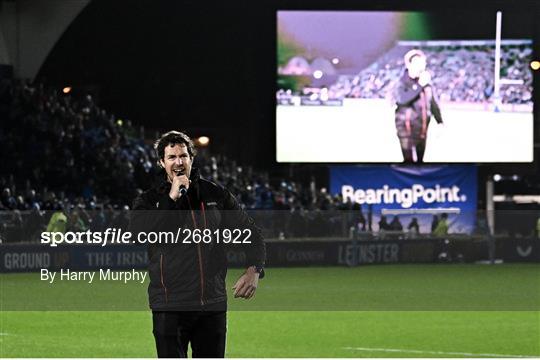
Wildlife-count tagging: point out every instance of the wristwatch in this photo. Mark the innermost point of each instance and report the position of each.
(259, 270)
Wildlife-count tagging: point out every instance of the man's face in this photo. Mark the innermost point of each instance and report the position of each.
(176, 161)
(416, 66)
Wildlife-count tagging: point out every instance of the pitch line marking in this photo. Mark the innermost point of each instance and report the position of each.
(438, 352)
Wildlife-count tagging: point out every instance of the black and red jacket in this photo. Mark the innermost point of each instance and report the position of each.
(415, 107)
(192, 276)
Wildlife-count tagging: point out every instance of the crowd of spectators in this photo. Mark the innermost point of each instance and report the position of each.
(64, 154)
(60, 146)
(461, 73)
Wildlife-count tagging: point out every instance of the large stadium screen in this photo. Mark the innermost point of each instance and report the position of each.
(392, 87)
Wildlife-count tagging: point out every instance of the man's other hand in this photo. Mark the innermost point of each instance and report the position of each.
(246, 285)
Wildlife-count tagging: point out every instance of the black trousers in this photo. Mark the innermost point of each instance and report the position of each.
(205, 331)
(407, 145)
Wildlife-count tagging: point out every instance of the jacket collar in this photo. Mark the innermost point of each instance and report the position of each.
(406, 78)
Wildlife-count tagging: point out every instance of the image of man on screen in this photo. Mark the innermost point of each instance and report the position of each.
(416, 104)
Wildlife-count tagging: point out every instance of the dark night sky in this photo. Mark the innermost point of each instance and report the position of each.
(209, 67)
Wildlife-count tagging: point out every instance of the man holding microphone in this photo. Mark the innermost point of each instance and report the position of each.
(415, 99)
(187, 291)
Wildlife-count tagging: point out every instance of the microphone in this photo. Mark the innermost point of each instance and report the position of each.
(182, 190)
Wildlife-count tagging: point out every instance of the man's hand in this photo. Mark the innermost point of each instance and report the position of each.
(246, 286)
(178, 181)
(424, 78)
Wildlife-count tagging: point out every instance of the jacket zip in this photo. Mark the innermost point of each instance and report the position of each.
(200, 257)
(423, 104)
(408, 121)
(161, 274)
(201, 272)
(199, 252)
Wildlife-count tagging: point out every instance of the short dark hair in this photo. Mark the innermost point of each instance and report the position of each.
(172, 138)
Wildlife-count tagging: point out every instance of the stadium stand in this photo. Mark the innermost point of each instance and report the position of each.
(462, 72)
(93, 162)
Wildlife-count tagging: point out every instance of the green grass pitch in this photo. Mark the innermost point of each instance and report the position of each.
(371, 311)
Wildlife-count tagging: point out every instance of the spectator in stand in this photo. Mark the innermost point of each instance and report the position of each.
(442, 226)
(383, 224)
(434, 223)
(58, 222)
(395, 224)
(8, 201)
(413, 227)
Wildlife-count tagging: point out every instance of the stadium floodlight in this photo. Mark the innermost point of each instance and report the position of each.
(497, 177)
(203, 141)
